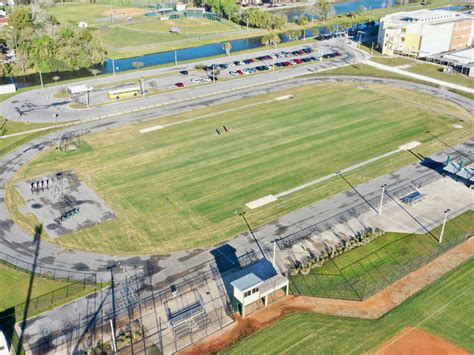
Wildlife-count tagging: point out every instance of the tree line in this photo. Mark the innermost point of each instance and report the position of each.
(41, 44)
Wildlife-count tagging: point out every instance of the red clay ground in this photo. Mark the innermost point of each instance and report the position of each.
(412, 341)
(372, 308)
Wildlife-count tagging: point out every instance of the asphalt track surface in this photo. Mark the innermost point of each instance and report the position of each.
(16, 243)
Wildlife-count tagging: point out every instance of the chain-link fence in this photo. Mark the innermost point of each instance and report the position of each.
(346, 278)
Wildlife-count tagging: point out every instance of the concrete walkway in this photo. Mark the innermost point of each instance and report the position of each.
(418, 76)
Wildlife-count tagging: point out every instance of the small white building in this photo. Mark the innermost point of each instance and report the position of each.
(180, 7)
(250, 289)
(82, 24)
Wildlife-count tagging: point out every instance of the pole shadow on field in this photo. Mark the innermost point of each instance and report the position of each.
(358, 193)
(37, 242)
(447, 145)
(412, 216)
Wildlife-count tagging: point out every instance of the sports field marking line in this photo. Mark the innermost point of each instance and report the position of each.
(272, 198)
(424, 320)
(155, 128)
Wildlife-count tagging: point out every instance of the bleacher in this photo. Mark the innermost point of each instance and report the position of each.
(188, 319)
(412, 198)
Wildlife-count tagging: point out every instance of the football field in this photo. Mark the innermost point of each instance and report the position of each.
(178, 188)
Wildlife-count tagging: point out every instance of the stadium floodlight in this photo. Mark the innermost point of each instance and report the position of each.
(381, 198)
(444, 224)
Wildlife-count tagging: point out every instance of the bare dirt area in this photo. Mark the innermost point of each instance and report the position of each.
(372, 308)
(125, 12)
(416, 341)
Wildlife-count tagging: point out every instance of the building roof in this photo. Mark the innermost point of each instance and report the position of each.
(246, 282)
(460, 57)
(427, 16)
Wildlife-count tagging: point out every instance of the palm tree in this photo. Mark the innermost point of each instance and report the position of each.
(271, 39)
(227, 47)
(138, 65)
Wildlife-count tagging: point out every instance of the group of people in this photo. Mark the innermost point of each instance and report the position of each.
(41, 185)
(225, 129)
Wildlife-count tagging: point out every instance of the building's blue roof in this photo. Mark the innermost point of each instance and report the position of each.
(246, 282)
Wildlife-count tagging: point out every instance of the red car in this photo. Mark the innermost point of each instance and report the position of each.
(298, 61)
(179, 85)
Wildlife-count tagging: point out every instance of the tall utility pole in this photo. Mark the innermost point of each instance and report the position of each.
(175, 57)
(381, 198)
(444, 224)
(113, 66)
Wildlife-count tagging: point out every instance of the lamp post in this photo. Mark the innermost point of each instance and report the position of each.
(142, 83)
(381, 198)
(113, 66)
(444, 224)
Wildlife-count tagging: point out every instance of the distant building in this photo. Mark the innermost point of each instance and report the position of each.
(462, 60)
(425, 32)
(180, 7)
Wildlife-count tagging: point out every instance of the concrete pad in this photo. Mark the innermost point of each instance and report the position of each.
(63, 195)
(151, 129)
(410, 145)
(285, 97)
(261, 202)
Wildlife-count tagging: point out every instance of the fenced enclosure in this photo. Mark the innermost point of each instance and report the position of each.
(362, 272)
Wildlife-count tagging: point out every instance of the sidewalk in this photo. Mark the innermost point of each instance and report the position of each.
(418, 76)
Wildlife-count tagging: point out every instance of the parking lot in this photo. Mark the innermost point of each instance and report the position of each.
(221, 71)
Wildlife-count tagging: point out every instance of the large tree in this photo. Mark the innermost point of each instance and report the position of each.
(323, 9)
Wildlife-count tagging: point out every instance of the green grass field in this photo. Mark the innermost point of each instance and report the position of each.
(89, 13)
(178, 188)
(444, 308)
(154, 35)
(15, 283)
(427, 69)
(361, 272)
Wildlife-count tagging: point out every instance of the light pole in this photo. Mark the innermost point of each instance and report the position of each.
(175, 57)
(444, 224)
(274, 254)
(142, 82)
(113, 66)
(55, 116)
(381, 198)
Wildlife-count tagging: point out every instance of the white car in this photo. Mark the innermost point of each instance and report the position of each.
(233, 73)
(196, 81)
(206, 78)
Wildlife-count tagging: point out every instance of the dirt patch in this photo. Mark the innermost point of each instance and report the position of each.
(416, 341)
(125, 12)
(372, 308)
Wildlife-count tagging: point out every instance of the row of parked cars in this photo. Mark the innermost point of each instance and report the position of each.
(281, 54)
(260, 68)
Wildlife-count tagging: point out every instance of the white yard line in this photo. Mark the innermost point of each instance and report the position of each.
(272, 198)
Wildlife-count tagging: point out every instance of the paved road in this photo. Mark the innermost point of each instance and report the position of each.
(40, 106)
(17, 243)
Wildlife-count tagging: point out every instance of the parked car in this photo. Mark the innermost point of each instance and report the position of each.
(195, 81)
(206, 78)
(179, 85)
(184, 72)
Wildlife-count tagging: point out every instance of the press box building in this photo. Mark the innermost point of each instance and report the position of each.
(425, 32)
